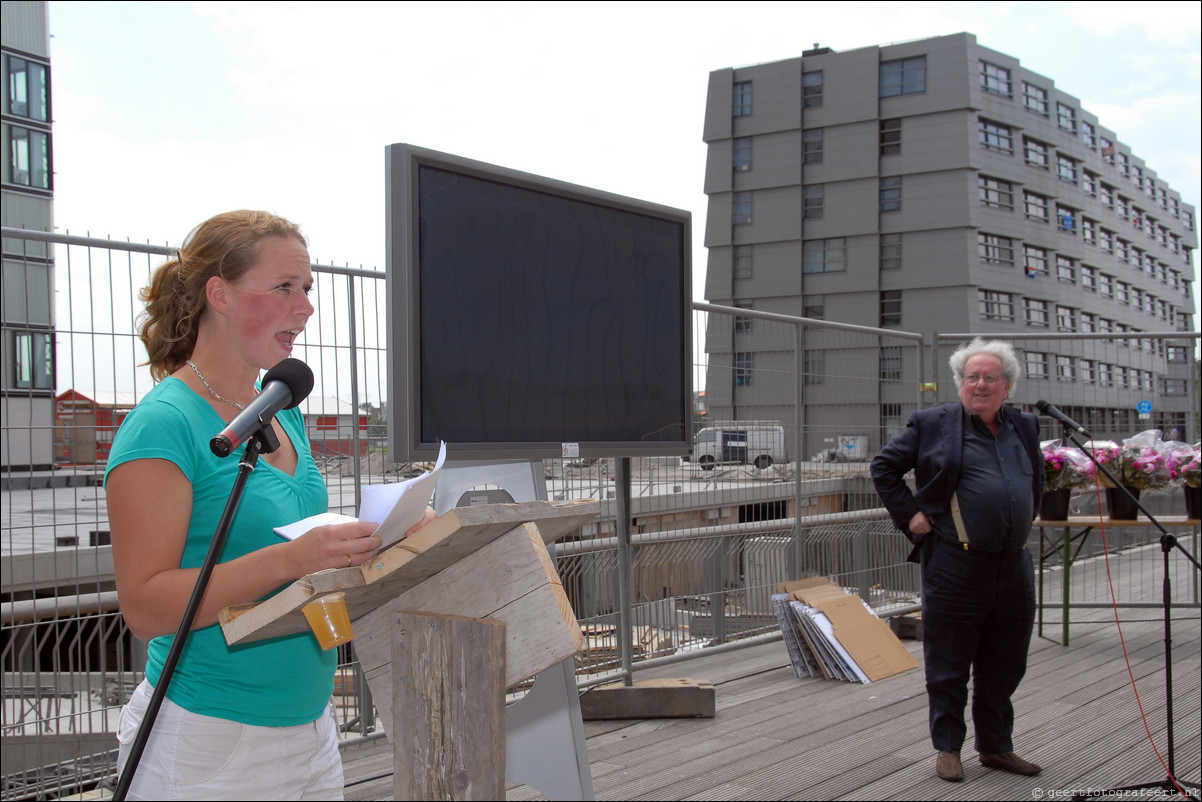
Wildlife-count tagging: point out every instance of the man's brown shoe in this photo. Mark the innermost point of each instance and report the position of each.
(948, 767)
(1008, 761)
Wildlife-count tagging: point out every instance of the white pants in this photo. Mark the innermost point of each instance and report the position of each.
(190, 756)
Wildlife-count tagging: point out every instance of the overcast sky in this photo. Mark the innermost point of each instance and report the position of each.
(167, 113)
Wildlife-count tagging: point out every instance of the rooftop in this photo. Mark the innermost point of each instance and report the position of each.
(779, 737)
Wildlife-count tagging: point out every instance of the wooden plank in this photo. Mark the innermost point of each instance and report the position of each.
(448, 673)
(404, 565)
(511, 580)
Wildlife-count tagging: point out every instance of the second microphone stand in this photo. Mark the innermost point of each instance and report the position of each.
(1170, 784)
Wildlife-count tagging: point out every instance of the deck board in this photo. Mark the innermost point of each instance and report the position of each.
(775, 736)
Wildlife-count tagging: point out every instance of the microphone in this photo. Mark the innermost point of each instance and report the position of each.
(284, 386)
(1052, 412)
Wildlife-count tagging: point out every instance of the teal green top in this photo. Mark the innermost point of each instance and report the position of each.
(280, 682)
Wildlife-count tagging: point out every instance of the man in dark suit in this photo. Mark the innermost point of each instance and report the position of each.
(978, 476)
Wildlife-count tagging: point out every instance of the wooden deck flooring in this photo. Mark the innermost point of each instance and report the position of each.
(778, 737)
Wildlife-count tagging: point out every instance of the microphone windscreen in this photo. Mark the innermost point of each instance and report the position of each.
(296, 375)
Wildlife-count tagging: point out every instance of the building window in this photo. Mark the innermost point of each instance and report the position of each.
(811, 89)
(996, 305)
(28, 89)
(995, 136)
(1066, 168)
(891, 251)
(1176, 387)
(1066, 318)
(1104, 374)
(1035, 152)
(1089, 277)
(742, 261)
(904, 76)
(1035, 207)
(1066, 118)
(1106, 240)
(1122, 292)
(1064, 219)
(1035, 99)
(812, 200)
(995, 192)
(1107, 150)
(740, 210)
(1035, 261)
(1124, 165)
(1065, 370)
(1036, 364)
(891, 308)
(824, 255)
(32, 365)
(1066, 270)
(814, 306)
(1089, 183)
(891, 194)
(811, 146)
(994, 249)
(1087, 371)
(1035, 312)
(995, 79)
(1088, 323)
(1105, 285)
(742, 324)
(1089, 231)
(741, 104)
(744, 369)
(741, 154)
(815, 367)
(29, 157)
(891, 363)
(891, 137)
(1089, 135)
(892, 423)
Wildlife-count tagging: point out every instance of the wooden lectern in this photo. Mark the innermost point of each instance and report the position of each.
(478, 562)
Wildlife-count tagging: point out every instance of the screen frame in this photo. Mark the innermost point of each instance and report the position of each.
(404, 390)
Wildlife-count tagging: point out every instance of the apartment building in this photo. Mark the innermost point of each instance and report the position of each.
(938, 186)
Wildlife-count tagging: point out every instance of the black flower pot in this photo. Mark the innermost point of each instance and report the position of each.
(1054, 506)
(1120, 506)
(1193, 502)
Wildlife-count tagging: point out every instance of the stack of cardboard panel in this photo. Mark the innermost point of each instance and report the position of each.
(833, 634)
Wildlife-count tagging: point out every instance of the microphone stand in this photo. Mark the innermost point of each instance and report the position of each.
(1167, 542)
(263, 441)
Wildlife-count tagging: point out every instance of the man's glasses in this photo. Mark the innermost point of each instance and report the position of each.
(987, 379)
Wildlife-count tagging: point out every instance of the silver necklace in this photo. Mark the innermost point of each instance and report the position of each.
(205, 382)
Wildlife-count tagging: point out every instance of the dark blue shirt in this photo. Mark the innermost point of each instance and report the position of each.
(994, 488)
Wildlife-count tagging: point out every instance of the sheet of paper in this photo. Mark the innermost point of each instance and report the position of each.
(294, 530)
(394, 507)
(398, 506)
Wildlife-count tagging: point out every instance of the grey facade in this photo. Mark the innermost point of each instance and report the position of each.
(938, 186)
(26, 201)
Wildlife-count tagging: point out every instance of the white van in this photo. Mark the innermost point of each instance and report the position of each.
(758, 443)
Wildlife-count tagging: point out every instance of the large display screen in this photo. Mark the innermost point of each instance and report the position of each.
(532, 318)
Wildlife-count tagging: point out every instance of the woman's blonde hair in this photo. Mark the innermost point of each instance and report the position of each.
(225, 246)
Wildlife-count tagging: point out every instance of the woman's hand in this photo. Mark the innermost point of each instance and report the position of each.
(336, 546)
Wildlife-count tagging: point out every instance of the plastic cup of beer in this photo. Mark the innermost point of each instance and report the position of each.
(329, 620)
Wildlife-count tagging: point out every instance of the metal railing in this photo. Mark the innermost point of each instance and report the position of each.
(708, 543)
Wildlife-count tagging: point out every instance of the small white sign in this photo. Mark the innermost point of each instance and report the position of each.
(571, 449)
